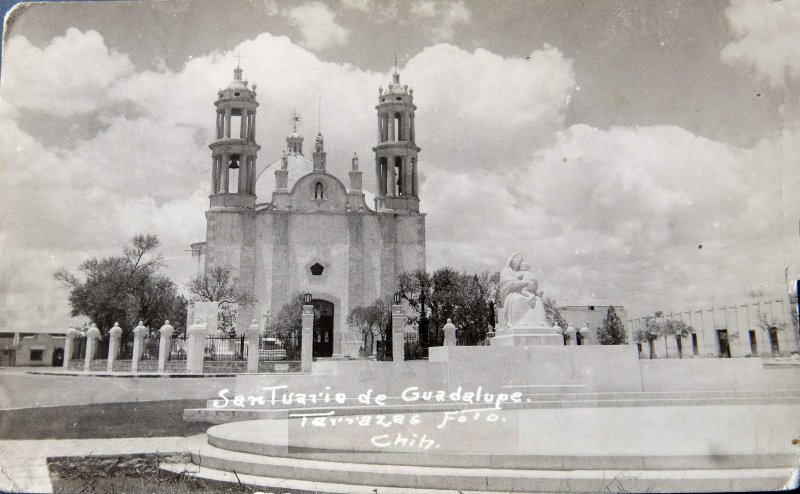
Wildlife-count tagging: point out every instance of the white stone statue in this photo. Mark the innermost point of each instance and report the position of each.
(521, 299)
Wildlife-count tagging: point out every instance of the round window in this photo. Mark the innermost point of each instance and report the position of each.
(237, 93)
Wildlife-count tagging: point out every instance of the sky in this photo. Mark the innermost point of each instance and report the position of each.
(637, 153)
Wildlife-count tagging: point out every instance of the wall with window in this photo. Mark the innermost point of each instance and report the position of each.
(38, 350)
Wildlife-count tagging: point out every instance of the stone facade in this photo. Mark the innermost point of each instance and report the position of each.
(312, 233)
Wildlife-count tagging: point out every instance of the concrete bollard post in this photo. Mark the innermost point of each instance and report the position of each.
(69, 344)
(92, 334)
(164, 345)
(195, 341)
(138, 345)
(307, 341)
(449, 333)
(113, 345)
(253, 334)
(398, 334)
(570, 331)
(584, 335)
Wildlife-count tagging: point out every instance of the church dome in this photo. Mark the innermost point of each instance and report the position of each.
(237, 84)
(298, 166)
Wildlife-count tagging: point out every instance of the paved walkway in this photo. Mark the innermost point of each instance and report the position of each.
(23, 463)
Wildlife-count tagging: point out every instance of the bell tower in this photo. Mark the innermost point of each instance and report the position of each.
(396, 152)
(233, 152)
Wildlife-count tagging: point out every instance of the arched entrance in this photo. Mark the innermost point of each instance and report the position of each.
(323, 328)
(58, 357)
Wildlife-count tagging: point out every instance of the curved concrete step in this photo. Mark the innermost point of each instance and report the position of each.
(486, 479)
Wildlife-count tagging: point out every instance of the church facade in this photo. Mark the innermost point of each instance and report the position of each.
(291, 226)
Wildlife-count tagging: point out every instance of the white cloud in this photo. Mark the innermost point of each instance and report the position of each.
(610, 215)
(424, 8)
(318, 26)
(69, 76)
(362, 5)
(619, 216)
(487, 108)
(448, 16)
(766, 39)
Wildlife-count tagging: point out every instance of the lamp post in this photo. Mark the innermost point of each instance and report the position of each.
(422, 326)
(307, 335)
(397, 334)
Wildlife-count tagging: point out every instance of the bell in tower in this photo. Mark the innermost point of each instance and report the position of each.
(396, 151)
(234, 151)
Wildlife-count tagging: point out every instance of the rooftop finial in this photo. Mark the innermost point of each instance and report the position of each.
(395, 76)
(294, 118)
(319, 143)
(237, 72)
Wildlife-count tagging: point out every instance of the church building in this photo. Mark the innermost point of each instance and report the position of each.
(291, 226)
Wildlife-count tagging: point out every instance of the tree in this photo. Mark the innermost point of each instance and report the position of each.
(679, 329)
(612, 332)
(221, 286)
(125, 289)
(771, 326)
(448, 294)
(373, 318)
(554, 316)
(287, 324)
(651, 331)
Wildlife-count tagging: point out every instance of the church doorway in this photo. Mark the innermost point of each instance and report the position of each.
(323, 328)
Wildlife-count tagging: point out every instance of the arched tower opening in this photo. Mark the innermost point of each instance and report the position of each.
(396, 151)
(234, 151)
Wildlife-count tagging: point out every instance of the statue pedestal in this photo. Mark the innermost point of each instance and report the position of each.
(527, 336)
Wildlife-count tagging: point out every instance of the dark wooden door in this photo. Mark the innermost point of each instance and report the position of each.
(323, 328)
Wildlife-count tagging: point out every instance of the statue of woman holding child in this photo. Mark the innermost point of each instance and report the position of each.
(521, 299)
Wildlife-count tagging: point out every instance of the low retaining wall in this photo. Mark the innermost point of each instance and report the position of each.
(101, 365)
(531, 371)
(717, 374)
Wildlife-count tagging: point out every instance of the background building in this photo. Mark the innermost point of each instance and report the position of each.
(757, 328)
(591, 316)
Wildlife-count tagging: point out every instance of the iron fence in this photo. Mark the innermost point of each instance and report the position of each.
(150, 348)
(413, 348)
(465, 337)
(79, 348)
(177, 348)
(279, 349)
(125, 350)
(383, 350)
(225, 348)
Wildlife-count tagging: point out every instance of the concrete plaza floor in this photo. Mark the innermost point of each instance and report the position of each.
(23, 463)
